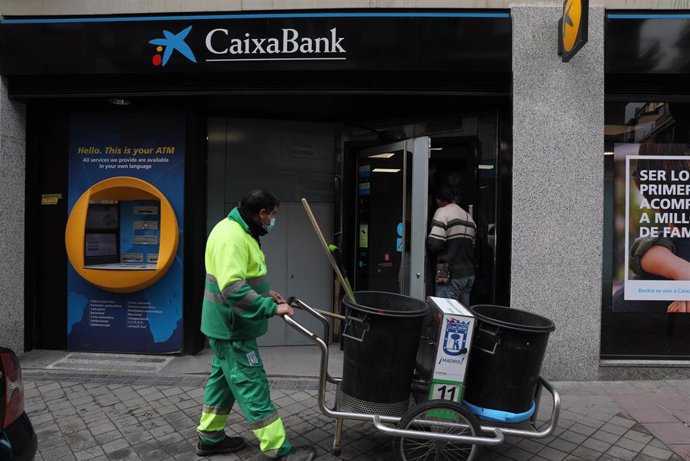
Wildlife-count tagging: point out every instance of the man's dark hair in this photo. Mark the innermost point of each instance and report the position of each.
(255, 201)
(446, 194)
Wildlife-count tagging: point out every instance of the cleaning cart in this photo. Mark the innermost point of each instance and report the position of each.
(387, 382)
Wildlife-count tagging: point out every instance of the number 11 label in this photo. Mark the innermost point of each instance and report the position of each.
(446, 391)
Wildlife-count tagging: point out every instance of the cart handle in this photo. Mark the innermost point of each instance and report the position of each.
(478, 440)
(299, 304)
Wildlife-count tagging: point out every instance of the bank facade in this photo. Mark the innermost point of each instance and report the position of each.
(126, 135)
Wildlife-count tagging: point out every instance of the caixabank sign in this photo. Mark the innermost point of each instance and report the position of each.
(222, 46)
(424, 41)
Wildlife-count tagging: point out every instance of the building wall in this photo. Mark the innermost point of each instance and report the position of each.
(558, 164)
(59, 7)
(12, 205)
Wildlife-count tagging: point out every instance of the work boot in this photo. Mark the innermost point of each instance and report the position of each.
(300, 454)
(227, 445)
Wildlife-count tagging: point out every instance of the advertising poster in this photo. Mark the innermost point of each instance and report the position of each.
(146, 146)
(652, 228)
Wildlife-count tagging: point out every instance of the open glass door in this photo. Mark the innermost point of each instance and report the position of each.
(391, 217)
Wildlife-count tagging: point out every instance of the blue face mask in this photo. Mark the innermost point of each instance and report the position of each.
(269, 227)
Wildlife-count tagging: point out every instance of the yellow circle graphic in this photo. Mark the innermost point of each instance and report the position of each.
(122, 281)
(572, 15)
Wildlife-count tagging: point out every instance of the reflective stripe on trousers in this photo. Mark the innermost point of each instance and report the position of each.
(238, 375)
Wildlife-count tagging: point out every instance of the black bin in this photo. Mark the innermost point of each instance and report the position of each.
(380, 342)
(505, 361)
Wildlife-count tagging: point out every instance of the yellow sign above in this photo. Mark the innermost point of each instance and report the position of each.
(50, 199)
(573, 28)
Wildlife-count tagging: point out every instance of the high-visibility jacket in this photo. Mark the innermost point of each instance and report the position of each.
(236, 302)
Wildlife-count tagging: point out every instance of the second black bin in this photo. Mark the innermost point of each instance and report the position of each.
(380, 342)
(505, 361)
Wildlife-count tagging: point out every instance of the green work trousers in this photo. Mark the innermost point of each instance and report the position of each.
(238, 375)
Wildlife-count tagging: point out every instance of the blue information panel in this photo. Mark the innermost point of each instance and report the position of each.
(125, 234)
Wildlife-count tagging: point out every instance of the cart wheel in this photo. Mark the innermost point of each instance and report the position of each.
(443, 411)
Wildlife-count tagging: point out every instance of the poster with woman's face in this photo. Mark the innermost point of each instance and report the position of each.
(652, 228)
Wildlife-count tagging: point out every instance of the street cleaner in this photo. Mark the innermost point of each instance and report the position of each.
(237, 305)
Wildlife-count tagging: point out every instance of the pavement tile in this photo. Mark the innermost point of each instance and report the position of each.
(46, 388)
(573, 437)
(79, 441)
(582, 429)
(670, 433)
(530, 445)
(656, 443)
(552, 454)
(89, 454)
(518, 454)
(60, 451)
(652, 415)
(656, 453)
(682, 449)
(563, 445)
(614, 429)
(69, 457)
(682, 414)
(171, 438)
(597, 445)
(586, 453)
(621, 453)
(137, 436)
(637, 436)
(160, 429)
(108, 437)
(591, 422)
(623, 421)
(605, 436)
(115, 445)
(631, 445)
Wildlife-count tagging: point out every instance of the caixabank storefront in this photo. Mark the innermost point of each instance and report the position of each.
(129, 137)
(646, 288)
(144, 131)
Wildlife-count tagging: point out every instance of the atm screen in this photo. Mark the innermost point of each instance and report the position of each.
(101, 248)
(102, 216)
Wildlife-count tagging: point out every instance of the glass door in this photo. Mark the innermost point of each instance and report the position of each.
(391, 217)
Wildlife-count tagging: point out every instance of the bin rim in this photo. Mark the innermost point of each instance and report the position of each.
(547, 328)
(383, 312)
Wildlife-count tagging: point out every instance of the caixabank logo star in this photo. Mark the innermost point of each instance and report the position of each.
(169, 43)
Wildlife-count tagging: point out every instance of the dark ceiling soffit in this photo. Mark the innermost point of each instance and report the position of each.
(437, 83)
(646, 87)
(647, 42)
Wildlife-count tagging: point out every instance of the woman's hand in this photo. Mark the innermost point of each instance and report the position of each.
(678, 307)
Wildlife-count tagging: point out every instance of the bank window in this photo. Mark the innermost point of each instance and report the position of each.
(646, 270)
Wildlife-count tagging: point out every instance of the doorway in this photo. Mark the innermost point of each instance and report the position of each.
(392, 203)
(391, 217)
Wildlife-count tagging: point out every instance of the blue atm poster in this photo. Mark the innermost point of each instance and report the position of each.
(150, 147)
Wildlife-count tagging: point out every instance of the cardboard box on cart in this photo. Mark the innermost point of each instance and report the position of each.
(454, 341)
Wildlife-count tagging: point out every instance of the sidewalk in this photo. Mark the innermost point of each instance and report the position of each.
(123, 407)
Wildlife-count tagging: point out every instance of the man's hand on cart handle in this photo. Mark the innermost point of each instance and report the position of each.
(284, 309)
(277, 297)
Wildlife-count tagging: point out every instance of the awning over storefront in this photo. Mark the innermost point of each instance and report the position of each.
(188, 54)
